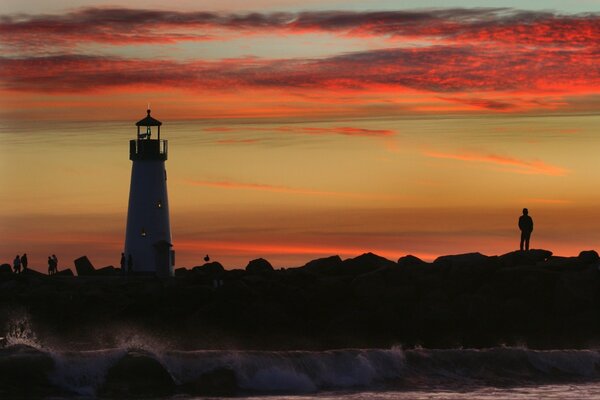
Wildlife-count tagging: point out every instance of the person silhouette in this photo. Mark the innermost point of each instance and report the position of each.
(526, 227)
(24, 261)
(55, 262)
(50, 266)
(123, 262)
(130, 264)
(17, 264)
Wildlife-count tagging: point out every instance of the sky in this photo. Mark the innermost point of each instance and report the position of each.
(300, 130)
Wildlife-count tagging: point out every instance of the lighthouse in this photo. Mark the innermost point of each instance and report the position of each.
(148, 247)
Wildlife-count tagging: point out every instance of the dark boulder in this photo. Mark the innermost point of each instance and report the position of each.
(577, 291)
(410, 261)
(322, 264)
(364, 263)
(84, 266)
(65, 272)
(369, 285)
(235, 273)
(462, 260)
(32, 273)
(259, 266)
(529, 257)
(588, 257)
(211, 268)
(137, 375)
(181, 271)
(107, 271)
(218, 382)
(558, 263)
(5, 269)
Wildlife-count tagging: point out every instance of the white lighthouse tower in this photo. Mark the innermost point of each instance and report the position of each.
(148, 247)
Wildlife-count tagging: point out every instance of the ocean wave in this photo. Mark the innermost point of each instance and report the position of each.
(227, 371)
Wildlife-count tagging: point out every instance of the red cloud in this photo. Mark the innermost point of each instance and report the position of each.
(122, 26)
(449, 69)
(514, 164)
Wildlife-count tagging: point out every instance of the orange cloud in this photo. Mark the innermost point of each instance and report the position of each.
(514, 164)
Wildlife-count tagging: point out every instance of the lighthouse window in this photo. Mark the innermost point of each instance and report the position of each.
(143, 232)
(159, 204)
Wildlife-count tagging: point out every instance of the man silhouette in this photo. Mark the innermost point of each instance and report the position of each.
(55, 262)
(526, 227)
(17, 264)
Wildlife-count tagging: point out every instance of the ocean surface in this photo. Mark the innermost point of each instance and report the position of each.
(394, 373)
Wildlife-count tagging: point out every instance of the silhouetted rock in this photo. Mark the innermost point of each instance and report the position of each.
(529, 257)
(137, 375)
(589, 257)
(107, 271)
(259, 266)
(5, 269)
(84, 266)
(64, 272)
(557, 263)
(462, 260)
(218, 382)
(577, 291)
(410, 261)
(530, 298)
(364, 263)
(181, 271)
(321, 265)
(33, 273)
(371, 284)
(211, 268)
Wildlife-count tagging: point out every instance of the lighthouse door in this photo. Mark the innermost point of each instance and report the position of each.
(163, 258)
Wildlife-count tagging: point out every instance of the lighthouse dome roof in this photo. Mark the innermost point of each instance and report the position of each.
(148, 121)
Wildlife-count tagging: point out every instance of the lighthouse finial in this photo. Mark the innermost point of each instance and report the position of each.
(148, 109)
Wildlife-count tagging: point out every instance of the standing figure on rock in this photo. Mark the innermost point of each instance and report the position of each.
(50, 266)
(24, 261)
(526, 227)
(55, 262)
(17, 264)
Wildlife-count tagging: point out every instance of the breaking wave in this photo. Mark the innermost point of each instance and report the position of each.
(85, 372)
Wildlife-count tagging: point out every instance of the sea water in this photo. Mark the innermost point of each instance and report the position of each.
(394, 373)
(495, 373)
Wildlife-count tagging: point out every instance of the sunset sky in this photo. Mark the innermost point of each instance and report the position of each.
(302, 129)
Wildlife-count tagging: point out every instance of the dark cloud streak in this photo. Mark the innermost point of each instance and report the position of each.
(440, 69)
(122, 26)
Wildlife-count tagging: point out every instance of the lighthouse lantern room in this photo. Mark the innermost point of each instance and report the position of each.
(148, 247)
